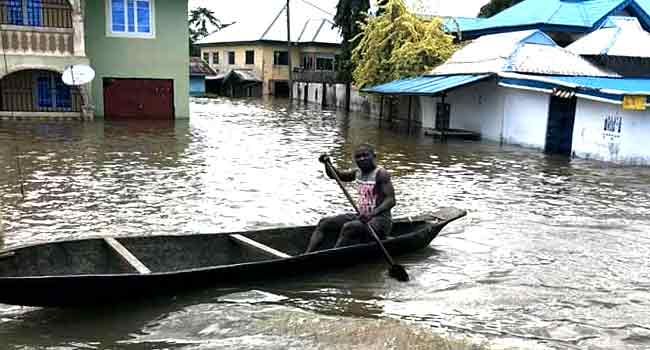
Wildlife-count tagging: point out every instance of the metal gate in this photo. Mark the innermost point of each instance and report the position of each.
(138, 98)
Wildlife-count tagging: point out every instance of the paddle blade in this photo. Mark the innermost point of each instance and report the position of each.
(398, 272)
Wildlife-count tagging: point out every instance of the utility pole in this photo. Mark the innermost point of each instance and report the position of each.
(289, 55)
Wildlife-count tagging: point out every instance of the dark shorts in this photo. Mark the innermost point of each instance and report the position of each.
(382, 225)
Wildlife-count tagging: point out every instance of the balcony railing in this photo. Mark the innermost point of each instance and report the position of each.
(310, 76)
(36, 13)
(37, 41)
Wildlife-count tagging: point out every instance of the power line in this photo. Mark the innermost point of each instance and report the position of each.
(316, 7)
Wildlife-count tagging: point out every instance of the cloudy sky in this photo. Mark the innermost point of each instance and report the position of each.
(229, 10)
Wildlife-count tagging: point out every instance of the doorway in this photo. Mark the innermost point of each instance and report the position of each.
(559, 131)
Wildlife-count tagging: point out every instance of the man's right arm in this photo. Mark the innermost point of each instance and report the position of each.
(346, 175)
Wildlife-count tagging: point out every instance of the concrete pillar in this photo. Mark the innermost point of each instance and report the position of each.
(79, 42)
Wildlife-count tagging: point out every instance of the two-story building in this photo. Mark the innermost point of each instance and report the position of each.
(141, 71)
(38, 40)
(252, 57)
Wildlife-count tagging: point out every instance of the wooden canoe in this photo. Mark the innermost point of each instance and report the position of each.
(111, 269)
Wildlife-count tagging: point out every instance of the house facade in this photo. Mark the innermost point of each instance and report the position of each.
(528, 91)
(141, 71)
(38, 40)
(568, 77)
(137, 51)
(259, 52)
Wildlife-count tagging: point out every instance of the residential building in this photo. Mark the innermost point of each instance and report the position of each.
(522, 88)
(139, 50)
(259, 53)
(199, 70)
(38, 40)
(132, 46)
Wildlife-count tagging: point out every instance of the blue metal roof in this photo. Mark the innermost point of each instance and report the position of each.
(558, 15)
(608, 88)
(425, 85)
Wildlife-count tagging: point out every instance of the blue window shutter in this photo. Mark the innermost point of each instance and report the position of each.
(131, 15)
(144, 15)
(63, 94)
(34, 17)
(118, 15)
(44, 90)
(15, 12)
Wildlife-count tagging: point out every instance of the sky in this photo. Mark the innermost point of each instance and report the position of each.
(229, 10)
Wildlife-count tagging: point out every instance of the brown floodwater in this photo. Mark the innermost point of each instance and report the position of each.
(553, 254)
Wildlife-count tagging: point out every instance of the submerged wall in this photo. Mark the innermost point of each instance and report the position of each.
(606, 132)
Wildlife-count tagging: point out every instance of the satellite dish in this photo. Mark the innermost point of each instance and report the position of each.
(78, 74)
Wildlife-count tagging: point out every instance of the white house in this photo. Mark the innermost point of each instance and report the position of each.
(521, 88)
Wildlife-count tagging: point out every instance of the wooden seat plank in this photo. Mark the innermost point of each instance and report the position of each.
(259, 246)
(127, 256)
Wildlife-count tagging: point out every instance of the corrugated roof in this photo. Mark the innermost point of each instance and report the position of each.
(607, 88)
(426, 85)
(619, 36)
(200, 67)
(240, 74)
(308, 24)
(529, 51)
(580, 14)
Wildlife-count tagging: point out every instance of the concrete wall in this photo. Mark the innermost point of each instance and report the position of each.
(164, 56)
(630, 145)
(525, 117)
(479, 108)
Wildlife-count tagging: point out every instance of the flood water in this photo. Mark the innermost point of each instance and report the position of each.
(553, 254)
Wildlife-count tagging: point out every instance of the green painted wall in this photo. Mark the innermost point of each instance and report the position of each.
(164, 57)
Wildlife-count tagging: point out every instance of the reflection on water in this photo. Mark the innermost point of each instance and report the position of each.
(553, 254)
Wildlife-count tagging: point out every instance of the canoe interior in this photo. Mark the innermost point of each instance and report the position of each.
(161, 253)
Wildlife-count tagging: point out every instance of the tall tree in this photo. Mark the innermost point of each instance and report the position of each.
(399, 44)
(495, 6)
(200, 19)
(348, 18)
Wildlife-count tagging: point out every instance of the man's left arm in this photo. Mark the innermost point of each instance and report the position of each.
(386, 186)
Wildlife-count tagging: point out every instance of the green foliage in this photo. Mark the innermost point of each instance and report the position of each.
(200, 19)
(495, 6)
(348, 18)
(398, 44)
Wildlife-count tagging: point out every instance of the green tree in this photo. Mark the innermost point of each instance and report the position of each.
(495, 6)
(348, 18)
(200, 19)
(399, 44)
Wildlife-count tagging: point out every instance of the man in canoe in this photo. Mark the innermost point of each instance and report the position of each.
(376, 198)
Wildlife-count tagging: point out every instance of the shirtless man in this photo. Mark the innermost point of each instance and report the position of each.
(375, 201)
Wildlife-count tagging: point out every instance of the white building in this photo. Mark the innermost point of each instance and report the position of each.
(521, 88)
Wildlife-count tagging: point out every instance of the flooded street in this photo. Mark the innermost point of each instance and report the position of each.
(553, 254)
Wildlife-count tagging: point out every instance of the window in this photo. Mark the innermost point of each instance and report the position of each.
(206, 57)
(215, 58)
(52, 92)
(308, 62)
(131, 18)
(231, 57)
(325, 63)
(250, 57)
(280, 58)
(24, 12)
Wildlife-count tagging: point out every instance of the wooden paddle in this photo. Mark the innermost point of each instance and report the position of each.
(396, 271)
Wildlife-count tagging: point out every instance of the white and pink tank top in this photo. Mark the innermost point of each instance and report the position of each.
(367, 194)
